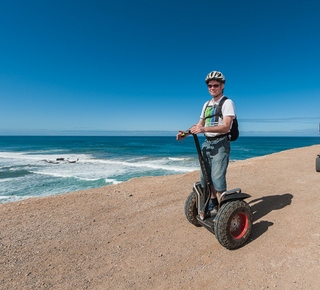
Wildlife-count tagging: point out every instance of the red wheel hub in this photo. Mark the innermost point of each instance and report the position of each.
(239, 225)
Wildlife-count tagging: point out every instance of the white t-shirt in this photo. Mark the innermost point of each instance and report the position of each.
(228, 109)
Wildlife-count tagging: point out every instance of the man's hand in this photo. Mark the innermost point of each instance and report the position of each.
(181, 135)
(196, 129)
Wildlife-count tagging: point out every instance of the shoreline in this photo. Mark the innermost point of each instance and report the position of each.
(26, 174)
(230, 162)
(135, 235)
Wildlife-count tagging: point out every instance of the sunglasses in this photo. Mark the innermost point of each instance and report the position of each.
(213, 86)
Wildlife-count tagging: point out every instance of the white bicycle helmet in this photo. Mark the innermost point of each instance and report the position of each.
(215, 75)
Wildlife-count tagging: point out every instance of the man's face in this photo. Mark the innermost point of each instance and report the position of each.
(215, 88)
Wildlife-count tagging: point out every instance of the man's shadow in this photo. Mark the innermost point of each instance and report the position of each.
(261, 207)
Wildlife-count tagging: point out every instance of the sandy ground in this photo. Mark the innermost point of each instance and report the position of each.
(134, 235)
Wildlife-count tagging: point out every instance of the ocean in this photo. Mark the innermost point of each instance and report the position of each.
(49, 165)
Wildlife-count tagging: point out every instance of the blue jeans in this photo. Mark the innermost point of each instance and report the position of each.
(216, 158)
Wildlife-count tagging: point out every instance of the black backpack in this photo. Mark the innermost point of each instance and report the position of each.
(234, 132)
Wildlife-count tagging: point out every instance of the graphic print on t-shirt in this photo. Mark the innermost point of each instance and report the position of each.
(209, 112)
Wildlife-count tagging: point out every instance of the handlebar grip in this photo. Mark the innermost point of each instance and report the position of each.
(186, 133)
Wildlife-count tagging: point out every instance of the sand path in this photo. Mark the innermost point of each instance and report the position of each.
(134, 235)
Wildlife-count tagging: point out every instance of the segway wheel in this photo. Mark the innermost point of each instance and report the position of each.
(233, 224)
(191, 210)
(318, 164)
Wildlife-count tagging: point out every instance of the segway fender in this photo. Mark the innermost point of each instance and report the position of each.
(234, 196)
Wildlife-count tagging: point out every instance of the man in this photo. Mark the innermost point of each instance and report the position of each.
(216, 148)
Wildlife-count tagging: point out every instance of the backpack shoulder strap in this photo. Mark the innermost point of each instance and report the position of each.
(218, 112)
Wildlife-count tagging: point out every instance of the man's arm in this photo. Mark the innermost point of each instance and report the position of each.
(223, 129)
(201, 123)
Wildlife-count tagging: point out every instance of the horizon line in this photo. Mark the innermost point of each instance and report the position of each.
(145, 133)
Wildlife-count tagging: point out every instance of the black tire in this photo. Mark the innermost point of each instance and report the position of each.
(233, 224)
(191, 210)
(318, 164)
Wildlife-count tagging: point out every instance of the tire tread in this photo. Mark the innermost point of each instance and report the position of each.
(222, 223)
(190, 209)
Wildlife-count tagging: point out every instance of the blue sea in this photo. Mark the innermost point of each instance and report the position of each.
(42, 166)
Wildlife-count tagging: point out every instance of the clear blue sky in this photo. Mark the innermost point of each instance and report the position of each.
(88, 67)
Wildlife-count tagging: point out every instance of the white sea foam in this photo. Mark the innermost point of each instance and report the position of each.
(178, 158)
(90, 169)
(113, 181)
(71, 175)
(5, 179)
(40, 157)
(47, 178)
(155, 165)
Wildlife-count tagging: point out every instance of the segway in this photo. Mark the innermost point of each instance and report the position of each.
(232, 224)
(318, 163)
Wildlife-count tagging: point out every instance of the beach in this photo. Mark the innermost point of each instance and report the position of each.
(134, 235)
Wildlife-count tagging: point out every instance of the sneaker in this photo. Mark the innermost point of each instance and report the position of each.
(214, 211)
(213, 203)
(210, 206)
